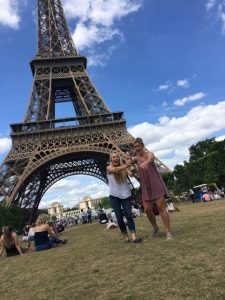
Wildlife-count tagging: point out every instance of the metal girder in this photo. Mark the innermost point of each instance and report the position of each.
(54, 38)
(43, 178)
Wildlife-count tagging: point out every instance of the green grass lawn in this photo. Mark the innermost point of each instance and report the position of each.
(95, 264)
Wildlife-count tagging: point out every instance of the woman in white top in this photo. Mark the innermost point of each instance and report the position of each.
(120, 195)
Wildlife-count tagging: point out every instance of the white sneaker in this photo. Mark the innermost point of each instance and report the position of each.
(169, 236)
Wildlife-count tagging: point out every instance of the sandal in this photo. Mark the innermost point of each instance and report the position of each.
(137, 240)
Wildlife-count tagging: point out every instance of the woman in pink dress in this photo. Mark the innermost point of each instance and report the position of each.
(153, 187)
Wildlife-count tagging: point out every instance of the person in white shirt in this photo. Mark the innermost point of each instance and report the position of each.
(120, 195)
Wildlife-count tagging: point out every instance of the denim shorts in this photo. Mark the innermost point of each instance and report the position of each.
(45, 246)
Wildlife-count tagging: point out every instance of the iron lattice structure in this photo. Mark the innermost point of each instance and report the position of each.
(46, 149)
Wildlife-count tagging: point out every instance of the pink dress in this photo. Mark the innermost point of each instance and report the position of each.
(152, 184)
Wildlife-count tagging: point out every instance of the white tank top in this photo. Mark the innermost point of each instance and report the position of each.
(120, 190)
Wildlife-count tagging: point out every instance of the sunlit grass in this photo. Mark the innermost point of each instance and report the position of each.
(95, 264)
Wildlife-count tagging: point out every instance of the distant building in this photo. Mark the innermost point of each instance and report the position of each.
(88, 202)
(57, 209)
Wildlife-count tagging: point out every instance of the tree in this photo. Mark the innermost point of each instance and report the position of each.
(76, 207)
(169, 180)
(206, 165)
(201, 149)
(53, 218)
(11, 216)
(104, 203)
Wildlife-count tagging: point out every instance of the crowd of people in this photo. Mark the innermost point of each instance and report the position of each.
(205, 194)
(43, 234)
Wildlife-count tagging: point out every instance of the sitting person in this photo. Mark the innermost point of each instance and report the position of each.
(53, 227)
(30, 236)
(206, 197)
(102, 217)
(9, 242)
(59, 228)
(217, 196)
(54, 231)
(31, 232)
(171, 206)
(44, 236)
(26, 230)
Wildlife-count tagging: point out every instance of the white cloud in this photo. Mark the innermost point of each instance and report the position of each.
(96, 24)
(183, 83)
(218, 13)
(163, 120)
(69, 191)
(222, 18)
(5, 144)
(98, 59)
(191, 98)
(221, 15)
(171, 137)
(220, 138)
(169, 85)
(210, 4)
(9, 13)
(63, 184)
(88, 36)
(104, 12)
(165, 86)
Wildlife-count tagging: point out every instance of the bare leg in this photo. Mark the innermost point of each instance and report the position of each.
(135, 239)
(133, 235)
(126, 237)
(150, 214)
(163, 213)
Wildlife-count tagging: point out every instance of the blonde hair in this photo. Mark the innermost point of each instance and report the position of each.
(42, 219)
(120, 176)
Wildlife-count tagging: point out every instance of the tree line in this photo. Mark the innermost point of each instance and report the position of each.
(15, 216)
(206, 165)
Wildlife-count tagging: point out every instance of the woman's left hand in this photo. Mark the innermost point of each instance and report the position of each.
(144, 164)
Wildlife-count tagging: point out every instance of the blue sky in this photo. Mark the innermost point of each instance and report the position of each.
(161, 62)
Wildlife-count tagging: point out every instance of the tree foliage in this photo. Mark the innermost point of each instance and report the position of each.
(206, 165)
(201, 149)
(11, 216)
(104, 203)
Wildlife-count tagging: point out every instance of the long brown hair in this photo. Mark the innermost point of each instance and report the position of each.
(8, 240)
(120, 176)
(139, 141)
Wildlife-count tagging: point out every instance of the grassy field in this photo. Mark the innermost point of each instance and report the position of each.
(95, 264)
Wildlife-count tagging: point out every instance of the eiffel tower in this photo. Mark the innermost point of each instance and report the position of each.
(46, 149)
